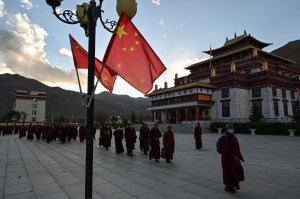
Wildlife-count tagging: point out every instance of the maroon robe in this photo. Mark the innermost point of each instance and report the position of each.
(106, 136)
(130, 139)
(30, 132)
(229, 150)
(38, 132)
(169, 144)
(144, 138)
(82, 133)
(69, 133)
(74, 132)
(155, 134)
(197, 136)
(22, 132)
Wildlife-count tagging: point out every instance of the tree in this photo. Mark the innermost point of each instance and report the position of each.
(125, 121)
(141, 119)
(9, 115)
(133, 118)
(255, 113)
(101, 116)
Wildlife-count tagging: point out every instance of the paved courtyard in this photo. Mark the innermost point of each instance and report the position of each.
(35, 169)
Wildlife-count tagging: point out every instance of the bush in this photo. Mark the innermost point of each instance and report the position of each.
(261, 128)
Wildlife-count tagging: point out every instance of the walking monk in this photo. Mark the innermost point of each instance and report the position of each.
(144, 138)
(231, 158)
(155, 134)
(169, 144)
(197, 136)
(130, 138)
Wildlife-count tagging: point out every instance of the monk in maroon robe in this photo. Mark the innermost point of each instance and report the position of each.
(169, 144)
(106, 136)
(82, 133)
(231, 158)
(69, 133)
(22, 131)
(30, 132)
(74, 132)
(144, 138)
(38, 132)
(155, 134)
(5, 130)
(130, 139)
(197, 136)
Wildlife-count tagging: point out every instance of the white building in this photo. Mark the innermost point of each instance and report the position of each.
(33, 104)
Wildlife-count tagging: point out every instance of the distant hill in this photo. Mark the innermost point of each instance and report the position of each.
(64, 103)
(290, 51)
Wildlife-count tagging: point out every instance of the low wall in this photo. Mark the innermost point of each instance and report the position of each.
(187, 128)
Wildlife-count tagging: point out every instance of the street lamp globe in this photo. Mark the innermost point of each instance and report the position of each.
(54, 3)
(129, 7)
(81, 13)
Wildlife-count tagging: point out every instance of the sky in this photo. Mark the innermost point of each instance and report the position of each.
(35, 44)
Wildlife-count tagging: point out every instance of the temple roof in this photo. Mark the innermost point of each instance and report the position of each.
(236, 51)
(245, 39)
(181, 87)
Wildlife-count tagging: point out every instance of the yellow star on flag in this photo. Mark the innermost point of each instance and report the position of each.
(121, 31)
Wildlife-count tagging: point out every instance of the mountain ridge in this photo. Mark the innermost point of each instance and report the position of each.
(65, 103)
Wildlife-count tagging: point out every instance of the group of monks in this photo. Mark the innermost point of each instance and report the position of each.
(231, 156)
(47, 132)
(149, 140)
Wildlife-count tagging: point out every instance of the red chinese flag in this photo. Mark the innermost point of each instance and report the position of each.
(80, 57)
(210, 51)
(132, 58)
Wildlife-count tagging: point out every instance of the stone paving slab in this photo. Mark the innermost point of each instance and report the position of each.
(38, 170)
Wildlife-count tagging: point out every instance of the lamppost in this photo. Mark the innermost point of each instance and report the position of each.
(87, 15)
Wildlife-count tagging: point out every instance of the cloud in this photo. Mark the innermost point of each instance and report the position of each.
(22, 52)
(2, 10)
(157, 2)
(64, 51)
(180, 60)
(165, 36)
(179, 26)
(162, 23)
(26, 4)
(4, 69)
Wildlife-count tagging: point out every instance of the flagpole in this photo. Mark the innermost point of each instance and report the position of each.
(210, 53)
(99, 75)
(82, 103)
